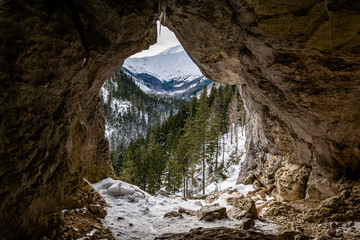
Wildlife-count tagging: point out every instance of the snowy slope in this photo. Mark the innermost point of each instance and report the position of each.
(232, 167)
(135, 214)
(165, 66)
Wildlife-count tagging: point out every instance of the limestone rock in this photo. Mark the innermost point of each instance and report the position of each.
(246, 224)
(187, 211)
(279, 209)
(343, 207)
(172, 214)
(287, 60)
(55, 58)
(230, 233)
(296, 65)
(76, 224)
(243, 208)
(290, 182)
(210, 213)
(211, 198)
(97, 210)
(233, 197)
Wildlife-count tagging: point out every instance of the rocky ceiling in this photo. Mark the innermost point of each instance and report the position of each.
(297, 64)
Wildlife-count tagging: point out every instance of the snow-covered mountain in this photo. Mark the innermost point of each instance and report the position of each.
(165, 66)
(169, 73)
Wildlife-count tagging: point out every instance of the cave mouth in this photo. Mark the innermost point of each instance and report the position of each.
(300, 72)
(164, 70)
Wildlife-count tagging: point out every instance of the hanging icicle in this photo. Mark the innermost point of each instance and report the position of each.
(162, 16)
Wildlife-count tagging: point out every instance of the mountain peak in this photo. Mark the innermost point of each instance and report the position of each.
(170, 64)
(172, 50)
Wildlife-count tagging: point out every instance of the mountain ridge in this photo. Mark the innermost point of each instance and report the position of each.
(170, 73)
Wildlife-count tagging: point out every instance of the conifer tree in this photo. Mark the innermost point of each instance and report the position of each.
(200, 129)
(214, 130)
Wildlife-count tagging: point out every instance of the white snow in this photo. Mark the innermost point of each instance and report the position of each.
(135, 214)
(166, 65)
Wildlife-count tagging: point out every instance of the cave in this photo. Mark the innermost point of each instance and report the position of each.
(296, 64)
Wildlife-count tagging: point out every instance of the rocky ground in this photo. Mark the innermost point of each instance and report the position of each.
(239, 212)
(334, 218)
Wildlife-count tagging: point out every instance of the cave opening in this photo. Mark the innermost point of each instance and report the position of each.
(299, 75)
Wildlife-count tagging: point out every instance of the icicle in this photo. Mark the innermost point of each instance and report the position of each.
(160, 27)
(162, 16)
(164, 10)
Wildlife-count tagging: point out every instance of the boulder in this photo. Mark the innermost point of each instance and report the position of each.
(229, 233)
(279, 209)
(172, 214)
(211, 198)
(97, 210)
(291, 182)
(187, 211)
(211, 212)
(233, 197)
(246, 224)
(243, 208)
(342, 207)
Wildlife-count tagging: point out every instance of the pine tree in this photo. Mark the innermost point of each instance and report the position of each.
(156, 165)
(173, 174)
(214, 130)
(200, 128)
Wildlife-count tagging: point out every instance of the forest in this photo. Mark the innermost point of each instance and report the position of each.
(129, 111)
(172, 152)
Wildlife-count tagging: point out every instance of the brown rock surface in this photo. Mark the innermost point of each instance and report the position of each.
(172, 214)
(55, 56)
(76, 224)
(298, 70)
(233, 197)
(211, 212)
(343, 207)
(230, 233)
(296, 63)
(243, 208)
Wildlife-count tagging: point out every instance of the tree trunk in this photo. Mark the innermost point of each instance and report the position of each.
(231, 132)
(245, 121)
(237, 142)
(217, 153)
(184, 186)
(203, 163)
(242, 124)
(223, 158)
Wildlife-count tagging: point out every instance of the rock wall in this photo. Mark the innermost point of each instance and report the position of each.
(296, 62)
(55, 56)
(297, 65)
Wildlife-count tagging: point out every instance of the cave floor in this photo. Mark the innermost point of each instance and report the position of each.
(134, 214)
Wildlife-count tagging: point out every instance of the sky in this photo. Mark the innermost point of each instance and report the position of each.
(166, 40)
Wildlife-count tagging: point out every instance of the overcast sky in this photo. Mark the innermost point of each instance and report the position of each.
(166, 40)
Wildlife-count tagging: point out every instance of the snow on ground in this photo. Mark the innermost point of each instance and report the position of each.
(135, 214)
(232, 169)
